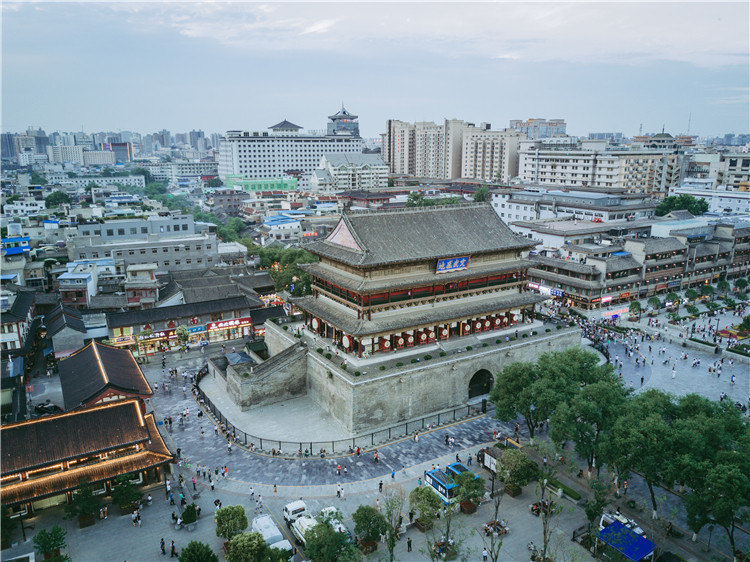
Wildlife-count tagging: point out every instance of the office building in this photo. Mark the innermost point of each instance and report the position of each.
(489, 155)
(341, 172)
(535, 129)
(285, 151)
(65, 154)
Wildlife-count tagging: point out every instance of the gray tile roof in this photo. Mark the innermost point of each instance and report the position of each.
(62, 317)
(567, 265)
(417, 317)
(658, 245)
(621, 263)
(285, 125)
(150, 315)
(681, 215)
(419, 234)
(564, 279)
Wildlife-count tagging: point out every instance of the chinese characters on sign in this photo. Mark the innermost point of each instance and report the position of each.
(452, 264)
(227, 324)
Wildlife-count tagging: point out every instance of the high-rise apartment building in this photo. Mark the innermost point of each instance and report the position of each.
(539, 128)
(285, 151)
(429, 150)
(194, 136)
(565, 162)
(61, 154)
(490, 155)
(123, 150)
(8, 146)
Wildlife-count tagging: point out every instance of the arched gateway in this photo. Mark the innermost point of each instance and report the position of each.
(480, 383)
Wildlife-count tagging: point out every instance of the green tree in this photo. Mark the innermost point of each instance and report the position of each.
(723, 287)
(691, 295)
(182, 334)
(417, 199)
(147, 177)
(643, 439)
(84, 502)
(635, 308)
(587, 418)
(469, 488)
(516, 469)
(57, 198)
(154, 189)
(740, 284)
(426, 502)
(230, 521)
(707, 291)
(394, 501)
(391, 183)
(214, 182)
(654, 303)
(692, 310)
(730, 303)
(323, 543)
(107, 173)
(248, 547)
(369, 524)
(50, 542)
(682, 202)
(71, 174)
(482, 194)
(601, 497)
(125, 492)
(196, 551)
(37, 179)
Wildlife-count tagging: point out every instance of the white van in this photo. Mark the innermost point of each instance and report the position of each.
(265, 525)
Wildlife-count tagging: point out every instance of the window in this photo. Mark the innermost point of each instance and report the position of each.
(184, 227)
(110, 232)
(144, 230)
(177, 262)
(166, 263)
(143, 252)
(120, 231)
(133, 231)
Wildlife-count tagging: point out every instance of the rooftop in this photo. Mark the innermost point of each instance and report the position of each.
(417, 234)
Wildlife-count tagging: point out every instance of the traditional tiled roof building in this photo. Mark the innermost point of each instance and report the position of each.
(44, 459)
(99, 373)
(397, 279)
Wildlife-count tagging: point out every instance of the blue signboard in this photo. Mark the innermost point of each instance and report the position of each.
(196, 329)
(452, 264)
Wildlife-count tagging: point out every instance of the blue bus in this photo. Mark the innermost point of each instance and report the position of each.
(457, 468)
(442, 482)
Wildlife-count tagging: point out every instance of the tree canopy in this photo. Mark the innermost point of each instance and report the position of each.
(323, 543)
(57, 198)
(196, 551)
(682, 202)
(230, 521)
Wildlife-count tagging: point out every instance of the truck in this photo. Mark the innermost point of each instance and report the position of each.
(300, 527)
(265, 525)
(293, 511)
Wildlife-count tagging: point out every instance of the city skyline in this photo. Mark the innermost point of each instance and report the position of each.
(216, 67)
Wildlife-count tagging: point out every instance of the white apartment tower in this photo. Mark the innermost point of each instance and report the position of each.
(285, 151)
(490, 155)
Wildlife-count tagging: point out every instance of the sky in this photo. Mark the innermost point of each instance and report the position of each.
(601, 66)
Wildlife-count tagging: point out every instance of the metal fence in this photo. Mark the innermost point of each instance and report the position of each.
(294, 449)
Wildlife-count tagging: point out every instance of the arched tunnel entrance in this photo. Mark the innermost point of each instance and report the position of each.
(480, 383)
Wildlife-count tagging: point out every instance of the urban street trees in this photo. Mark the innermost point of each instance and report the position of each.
(197, 551)
(230, 521)
(587, 418)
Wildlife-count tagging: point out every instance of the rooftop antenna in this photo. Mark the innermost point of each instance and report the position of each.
(690, 118)
(640, 130)
(662, 128)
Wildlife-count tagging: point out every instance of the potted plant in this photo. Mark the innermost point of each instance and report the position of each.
(84, 504)
(517, 470)
(369, 526)
(427, 502)
(49, 543)
(469, 491)
(189, 517)
(124, 494)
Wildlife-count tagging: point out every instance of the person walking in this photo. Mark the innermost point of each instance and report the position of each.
(211, 481)
(408, 544)
(194, 488)
(380, 486)
(138, 517)
(134, 517)
(393, 474)
(485, 554)
(172, 550)
(163, 547)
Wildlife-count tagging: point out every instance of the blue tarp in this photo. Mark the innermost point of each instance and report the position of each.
(626, 541)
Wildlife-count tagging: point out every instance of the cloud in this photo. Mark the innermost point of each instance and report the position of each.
(703, 34)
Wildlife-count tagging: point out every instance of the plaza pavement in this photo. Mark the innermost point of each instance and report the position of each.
(315, 479)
